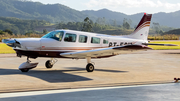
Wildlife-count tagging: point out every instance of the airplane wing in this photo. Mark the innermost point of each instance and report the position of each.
(105, 52)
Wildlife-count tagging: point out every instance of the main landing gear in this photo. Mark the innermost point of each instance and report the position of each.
(89, 66)
(26, 66)
(49, 63)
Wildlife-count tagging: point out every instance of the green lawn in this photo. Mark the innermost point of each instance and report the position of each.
(165, 47)
(4, 49)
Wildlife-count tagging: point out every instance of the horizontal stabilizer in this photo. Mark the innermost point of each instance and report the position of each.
(159, 44)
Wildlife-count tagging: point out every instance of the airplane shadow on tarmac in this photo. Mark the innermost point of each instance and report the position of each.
(173, 53)
(55, 76)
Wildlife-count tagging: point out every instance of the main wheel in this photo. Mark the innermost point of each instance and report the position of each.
(90, 67)
(24, 70)
(48, 64)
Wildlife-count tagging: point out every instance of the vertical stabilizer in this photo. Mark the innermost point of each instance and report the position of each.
(142, 30)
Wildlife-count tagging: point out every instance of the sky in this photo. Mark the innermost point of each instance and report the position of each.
(124, 6)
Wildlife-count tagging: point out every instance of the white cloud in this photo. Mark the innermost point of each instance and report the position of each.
(132, 4)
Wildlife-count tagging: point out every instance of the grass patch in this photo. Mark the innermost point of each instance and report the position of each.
(165, 47)
(4, 49)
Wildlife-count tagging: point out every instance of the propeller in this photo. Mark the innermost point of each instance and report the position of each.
(12, 43)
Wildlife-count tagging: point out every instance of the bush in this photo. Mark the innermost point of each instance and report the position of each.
(164, 37)
(8, 31)
(6, 36)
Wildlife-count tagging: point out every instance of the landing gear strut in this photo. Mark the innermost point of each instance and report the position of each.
(50, 63)
(89, 66)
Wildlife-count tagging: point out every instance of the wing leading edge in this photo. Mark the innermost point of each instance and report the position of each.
(103, 52)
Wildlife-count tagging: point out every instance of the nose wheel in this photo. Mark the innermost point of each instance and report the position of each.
(24, 70)
(26, 66)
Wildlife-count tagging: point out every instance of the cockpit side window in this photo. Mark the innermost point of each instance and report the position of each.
(70, 37)
(57, 35)
(61, 36)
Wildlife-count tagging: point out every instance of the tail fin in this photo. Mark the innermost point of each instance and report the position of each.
(142, 30)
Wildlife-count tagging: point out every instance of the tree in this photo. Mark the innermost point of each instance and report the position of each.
(8, 31)
(157, 28)
(126, 24)
(2, 32)
(87, 26)
(101, 21)
(45, 31)
(28, 33)
(114, 23)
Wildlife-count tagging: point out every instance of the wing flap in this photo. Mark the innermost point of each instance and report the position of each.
(105, 51)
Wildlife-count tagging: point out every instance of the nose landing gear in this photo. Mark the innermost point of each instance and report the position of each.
(26, 66)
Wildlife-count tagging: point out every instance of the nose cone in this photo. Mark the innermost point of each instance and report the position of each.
(11, 43)
(6, 40)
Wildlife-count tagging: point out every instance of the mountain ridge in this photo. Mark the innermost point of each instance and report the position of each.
(59, 13)
(36, 10)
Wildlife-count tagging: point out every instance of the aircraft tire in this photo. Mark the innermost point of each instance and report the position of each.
(48, 64)
(24, 70)
(90, 67)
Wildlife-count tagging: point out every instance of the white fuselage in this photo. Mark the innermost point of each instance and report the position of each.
(49, 44)
(49, 47)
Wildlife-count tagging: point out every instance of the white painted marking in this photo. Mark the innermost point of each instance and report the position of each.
(35, 93)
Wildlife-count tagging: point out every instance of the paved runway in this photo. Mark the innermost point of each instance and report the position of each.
(158, 92)
(146, 67)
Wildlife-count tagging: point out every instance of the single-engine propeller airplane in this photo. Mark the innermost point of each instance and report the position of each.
(80, 45)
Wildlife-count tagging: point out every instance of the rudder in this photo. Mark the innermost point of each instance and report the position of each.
(142, 30)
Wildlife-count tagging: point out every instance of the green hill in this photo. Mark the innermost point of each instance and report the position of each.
(36, 10)
(59, 13)
(19, 26)
(175, 32)
(164, 19)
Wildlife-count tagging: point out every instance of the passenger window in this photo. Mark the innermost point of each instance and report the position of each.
(95, 40)
(82, 39)
(105, 41)
(70, 37)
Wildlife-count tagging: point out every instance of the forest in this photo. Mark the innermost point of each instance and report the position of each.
(15, 27)
(19, 26)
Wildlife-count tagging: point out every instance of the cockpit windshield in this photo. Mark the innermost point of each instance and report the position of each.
(57, 35)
